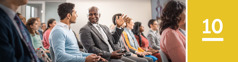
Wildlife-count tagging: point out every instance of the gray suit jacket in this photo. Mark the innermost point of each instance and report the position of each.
(154, 40)
(93, 40)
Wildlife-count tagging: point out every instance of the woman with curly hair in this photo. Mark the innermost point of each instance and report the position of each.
(173, 42)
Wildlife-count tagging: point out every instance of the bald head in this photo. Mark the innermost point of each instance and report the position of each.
(93, 8)
(93, 14)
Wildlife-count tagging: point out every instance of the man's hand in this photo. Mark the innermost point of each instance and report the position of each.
(153, 50)
(147, 53)
(120, 20)
(92, 58)
(116, 55)
(134, 55)
(103, 60)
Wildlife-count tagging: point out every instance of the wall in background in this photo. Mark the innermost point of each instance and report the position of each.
(138, 10)
(49, 6)
(161, 4)
(51, 11)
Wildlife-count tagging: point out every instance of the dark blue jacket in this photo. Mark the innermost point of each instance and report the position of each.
(12, 47)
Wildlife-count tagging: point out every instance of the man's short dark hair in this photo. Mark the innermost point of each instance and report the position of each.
(114, 18)
(64, 9)
(151, 22)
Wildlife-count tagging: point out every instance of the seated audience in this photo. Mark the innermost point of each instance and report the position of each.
(50, 25)
(153, 36)
(138, 30)
(97, 38)
(173, 42)
(40, 31)
(63, 43)
(23, 19)
(132, 42)
(43, 27)
(121, 43)
(32, 27)
(15, 41)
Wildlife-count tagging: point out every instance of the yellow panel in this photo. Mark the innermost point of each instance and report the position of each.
(212, 51)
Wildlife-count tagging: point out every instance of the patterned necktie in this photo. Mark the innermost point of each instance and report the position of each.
(105, 38)
(26, 39)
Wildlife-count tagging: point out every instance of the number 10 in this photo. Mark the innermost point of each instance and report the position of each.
(213, 26)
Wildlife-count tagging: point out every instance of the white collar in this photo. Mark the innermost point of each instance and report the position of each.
(94, 24)
(9, 11)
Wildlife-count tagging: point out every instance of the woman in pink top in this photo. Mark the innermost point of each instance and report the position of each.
(50, 25)
(173, 42)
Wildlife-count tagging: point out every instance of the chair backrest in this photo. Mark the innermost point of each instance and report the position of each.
(163, 56)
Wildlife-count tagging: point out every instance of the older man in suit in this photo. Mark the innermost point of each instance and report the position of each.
(15, 42)
(98, 39)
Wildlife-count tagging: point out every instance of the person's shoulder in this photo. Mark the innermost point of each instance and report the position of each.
(168, 31)
(2, 13)
(47, 31)
(5, 22)
(4, 18)
(85, 27)
(149, 33)
(57, 29)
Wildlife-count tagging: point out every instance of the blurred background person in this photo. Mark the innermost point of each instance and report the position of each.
(32, 27)
(23, 19)
(153, 37)
(182, 27)
(132, 42)
(40, 31)
(43, 27)
(138, 30)
(50, 25)
(173, 42)
(121, 43)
